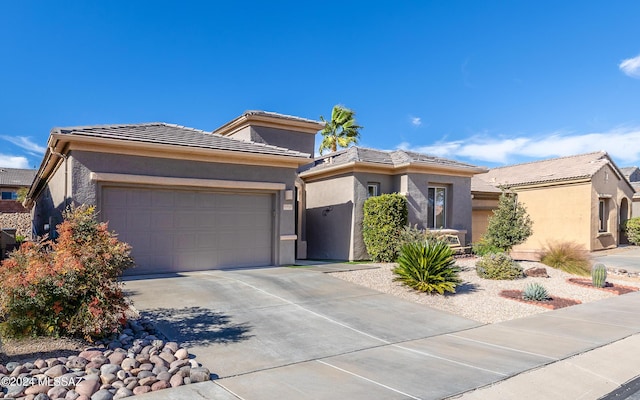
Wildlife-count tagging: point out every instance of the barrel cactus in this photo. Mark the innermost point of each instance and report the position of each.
(599, 275)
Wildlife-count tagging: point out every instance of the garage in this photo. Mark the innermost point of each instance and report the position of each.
(178, 229)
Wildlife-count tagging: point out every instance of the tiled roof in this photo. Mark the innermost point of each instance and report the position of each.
(163, 133)
(393, 158)
(552, 170)
(16, 177)
(636, 187)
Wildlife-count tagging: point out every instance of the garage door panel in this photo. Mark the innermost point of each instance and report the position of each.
(179, 230)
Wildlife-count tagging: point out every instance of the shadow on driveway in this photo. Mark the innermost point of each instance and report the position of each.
(197, 326)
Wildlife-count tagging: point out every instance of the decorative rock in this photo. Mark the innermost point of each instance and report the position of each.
(71, 395)
(129, 364)
(52, 362)
(146, 367)
(117, 357)
(149, 380)
(14, 391)
(42, 396)
(173, 346)
(118, 384)
(36, 389)
(11, 366)
(5, 371)
(176, 380)
(92, 370)
(20, 369)
(87, 387)
(101, 360)
(158, 344)
(57, 392)
(90, 354)
(102, 394)
(164, 376)
(122, 375)
(141, 390)
(194, 363)
(157, 369)
(181, 354)
(167, 357)
(123, 393)
(145, 374)
(77, 363)
(536, 272)
(109, 369)
(200, 374)
(115, 345)
(179, 363)
(56, 371)
(108, 378)
(160, 385)
(93, 377)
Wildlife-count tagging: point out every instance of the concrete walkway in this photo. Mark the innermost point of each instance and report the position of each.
(286, 333)
(624, 257)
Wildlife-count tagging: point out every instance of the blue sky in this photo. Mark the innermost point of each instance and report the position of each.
(486, 82)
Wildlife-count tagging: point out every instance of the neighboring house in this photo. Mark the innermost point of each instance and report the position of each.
(337, 185)
(12, 214)
(185, 199)
(581, 199)
(633, 175)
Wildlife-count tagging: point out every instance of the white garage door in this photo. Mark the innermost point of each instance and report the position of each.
(178, 230)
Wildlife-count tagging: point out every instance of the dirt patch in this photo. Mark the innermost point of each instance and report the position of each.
(24, 350)
(553, 303)
(609, 287)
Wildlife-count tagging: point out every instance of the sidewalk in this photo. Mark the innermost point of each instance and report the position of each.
(580, 352)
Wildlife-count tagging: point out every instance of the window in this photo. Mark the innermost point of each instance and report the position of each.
(437, 216)
(603, 216)
(373, 189)
(9, 196)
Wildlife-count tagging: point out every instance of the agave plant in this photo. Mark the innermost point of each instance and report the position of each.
(427, 266)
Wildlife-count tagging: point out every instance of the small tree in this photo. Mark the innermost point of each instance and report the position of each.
(510, 224)
(341, 130)
(385, 217)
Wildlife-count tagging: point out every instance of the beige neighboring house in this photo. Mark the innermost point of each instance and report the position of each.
(13, 214)
(581, 199)
(633, 175)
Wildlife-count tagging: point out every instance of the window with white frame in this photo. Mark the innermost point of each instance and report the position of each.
(437, 207)
(603, 216)
(373, 189)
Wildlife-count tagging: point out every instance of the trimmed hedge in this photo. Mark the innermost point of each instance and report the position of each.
(632, 228)
(385, 217)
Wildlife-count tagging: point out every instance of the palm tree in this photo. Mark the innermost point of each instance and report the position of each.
(341, 131)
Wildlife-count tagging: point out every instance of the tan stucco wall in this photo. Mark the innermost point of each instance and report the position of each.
(559, 213)
(330, 207)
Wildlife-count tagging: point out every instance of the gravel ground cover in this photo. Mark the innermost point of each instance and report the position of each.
(479, 299)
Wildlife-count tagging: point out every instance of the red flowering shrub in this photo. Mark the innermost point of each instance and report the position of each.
(68, 287)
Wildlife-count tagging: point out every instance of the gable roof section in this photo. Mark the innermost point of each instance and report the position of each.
(383, 161)
(175, 135)
(555, 170)
(271, 120)
(16, 177)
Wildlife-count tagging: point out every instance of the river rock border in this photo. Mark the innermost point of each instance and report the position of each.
(136, 361)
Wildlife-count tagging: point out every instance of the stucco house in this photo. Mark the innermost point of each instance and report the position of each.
(581, 199)
(633, 175)
(185, 199)
(12, 213)
(337, 185)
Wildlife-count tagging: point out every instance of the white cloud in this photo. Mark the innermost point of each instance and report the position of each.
(416, 121)
(9, 161)
(631, 66)
(620, 143)
(25, 143)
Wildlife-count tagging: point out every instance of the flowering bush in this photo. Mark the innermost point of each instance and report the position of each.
(68, 287)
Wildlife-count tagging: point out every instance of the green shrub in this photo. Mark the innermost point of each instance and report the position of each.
(632, 229)
(568, 257)
(482, 248)
(427, 266)
(535, 292)
(69, 287)
(498, 266)
(510, 224)
(384, 218)
(412, 234)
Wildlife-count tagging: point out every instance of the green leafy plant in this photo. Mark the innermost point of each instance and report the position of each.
(599, 275)
(20, 239)
(568, 257)
(427, 266)
(510, 224)
(498, 266)
(482, 248)
(341, 130)
(384, 218)
(535, 292)
(413, 234)
(69, 287)
(632, 229)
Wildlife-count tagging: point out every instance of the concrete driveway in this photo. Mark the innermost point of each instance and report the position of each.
(625, 257)
(286, 333)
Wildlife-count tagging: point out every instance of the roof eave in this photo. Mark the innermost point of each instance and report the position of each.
(244, 120)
